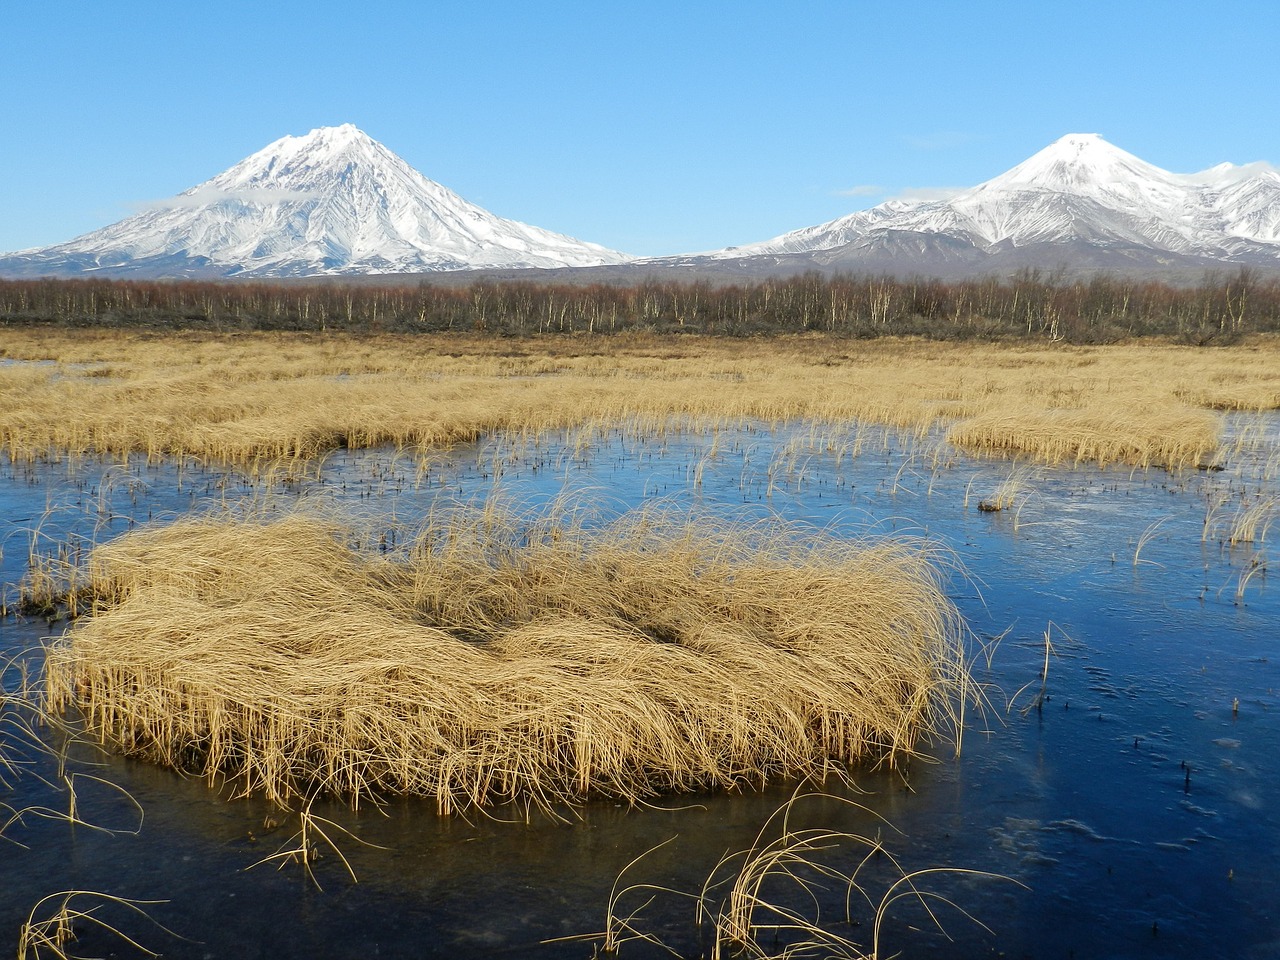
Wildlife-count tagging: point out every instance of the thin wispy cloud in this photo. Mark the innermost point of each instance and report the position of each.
(926, 194)
(207, 196)
(863, 190)
(904, 195)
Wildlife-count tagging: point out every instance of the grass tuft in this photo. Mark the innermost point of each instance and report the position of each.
(500, 658)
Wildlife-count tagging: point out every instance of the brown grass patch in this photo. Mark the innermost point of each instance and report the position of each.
(1175, 438)
(506, 660)
(250, 398)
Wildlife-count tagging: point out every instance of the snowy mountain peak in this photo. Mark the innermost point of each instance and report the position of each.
(1079, 199)
(342, 132)
(333, 201)
(1077, 148)
(320, 137)
(318, 146)
(311, 164)
(1080, 162)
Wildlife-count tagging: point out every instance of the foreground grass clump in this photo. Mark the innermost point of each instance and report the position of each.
(502, 660)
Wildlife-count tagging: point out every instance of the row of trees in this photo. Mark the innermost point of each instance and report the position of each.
(1221, 307)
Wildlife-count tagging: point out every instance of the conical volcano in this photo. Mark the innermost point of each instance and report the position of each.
(334, 202)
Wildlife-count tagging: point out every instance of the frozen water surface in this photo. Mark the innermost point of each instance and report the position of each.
(1137, 806)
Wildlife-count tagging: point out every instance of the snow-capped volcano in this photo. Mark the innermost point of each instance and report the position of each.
(1080, 201)
(332, 202)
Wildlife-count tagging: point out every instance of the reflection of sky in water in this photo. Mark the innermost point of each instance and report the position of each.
(1138, 809)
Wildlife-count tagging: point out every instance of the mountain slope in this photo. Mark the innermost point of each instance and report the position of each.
(332, 202)
(1079, 202)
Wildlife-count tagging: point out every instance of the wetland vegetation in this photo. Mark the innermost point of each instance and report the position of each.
(499, 660)
(581, 593)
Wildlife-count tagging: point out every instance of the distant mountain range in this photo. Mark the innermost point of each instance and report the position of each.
(1079, 204)
(337, 203)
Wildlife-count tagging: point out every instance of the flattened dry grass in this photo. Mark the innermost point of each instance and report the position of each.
(249, 398)
(505, 660)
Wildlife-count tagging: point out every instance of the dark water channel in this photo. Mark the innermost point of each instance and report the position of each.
(1137, 808)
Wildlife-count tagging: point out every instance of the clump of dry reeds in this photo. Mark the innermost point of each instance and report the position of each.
(1010, 494)
(1244, 519)
(504, 659)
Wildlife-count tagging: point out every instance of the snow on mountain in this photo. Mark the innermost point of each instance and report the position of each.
(1077, 198)
(335, 202)
(332, 202)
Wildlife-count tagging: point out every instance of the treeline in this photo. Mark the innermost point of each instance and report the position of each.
(1221, 308)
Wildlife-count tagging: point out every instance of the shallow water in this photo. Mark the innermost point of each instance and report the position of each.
(1137, 808)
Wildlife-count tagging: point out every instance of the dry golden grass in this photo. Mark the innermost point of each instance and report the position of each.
(250, 398)
(1176, 438)
(505, 660)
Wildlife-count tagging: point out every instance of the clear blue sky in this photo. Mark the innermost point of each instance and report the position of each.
(654, 128)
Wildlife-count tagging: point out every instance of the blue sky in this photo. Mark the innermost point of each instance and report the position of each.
(655, 128)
